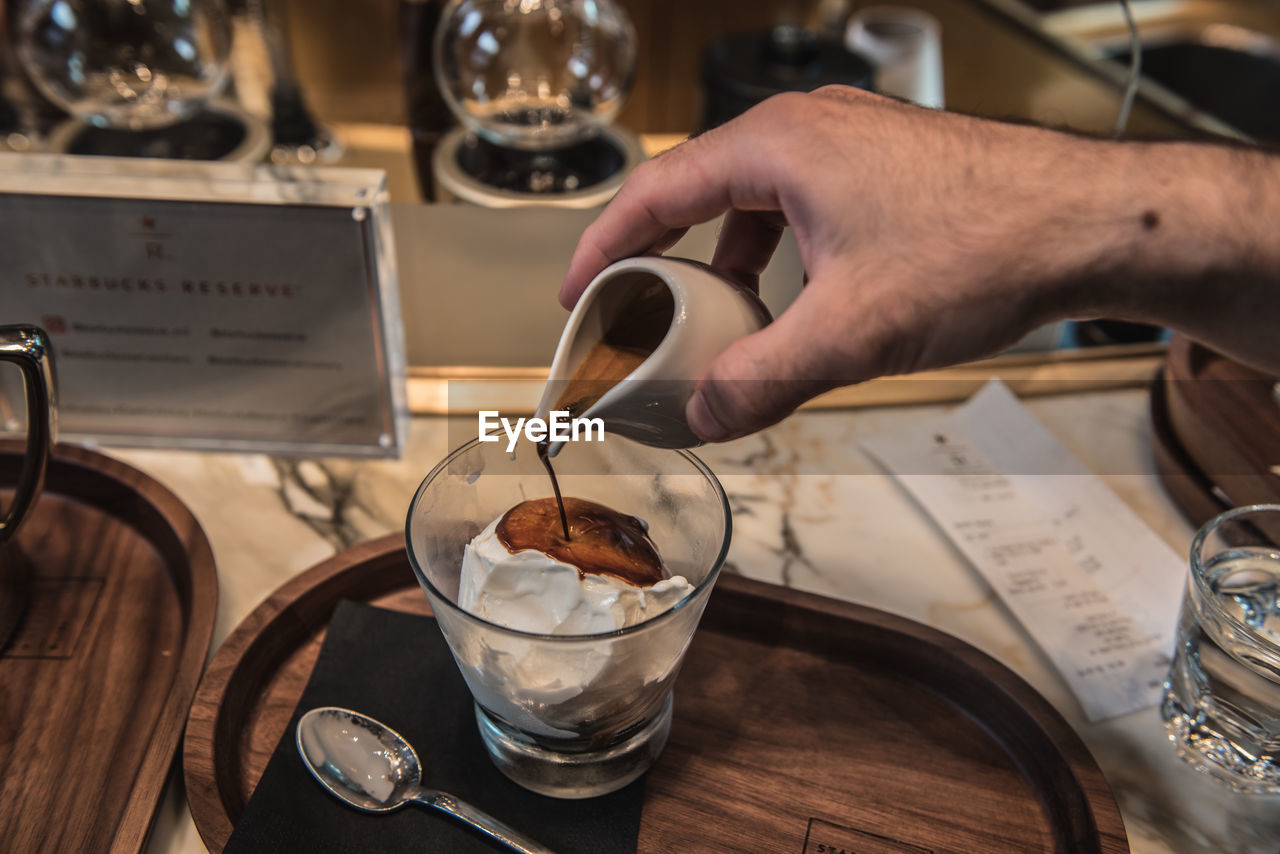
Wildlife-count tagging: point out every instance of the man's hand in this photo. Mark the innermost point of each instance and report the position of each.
(928, 238)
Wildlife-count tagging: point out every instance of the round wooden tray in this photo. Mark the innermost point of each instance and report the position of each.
(800, 722)
(96, 682)
(1194, 493)
(1226, 419)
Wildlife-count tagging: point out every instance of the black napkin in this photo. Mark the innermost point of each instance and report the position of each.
(396, 668)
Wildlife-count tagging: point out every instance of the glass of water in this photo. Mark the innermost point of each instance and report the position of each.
(1222, 698)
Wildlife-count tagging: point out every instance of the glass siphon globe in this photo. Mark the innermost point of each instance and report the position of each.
(128, 64)
(534, 74)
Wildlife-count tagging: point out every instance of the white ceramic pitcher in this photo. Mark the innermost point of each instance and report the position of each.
(708, 313)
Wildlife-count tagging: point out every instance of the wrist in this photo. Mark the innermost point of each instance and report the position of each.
(1174, 234)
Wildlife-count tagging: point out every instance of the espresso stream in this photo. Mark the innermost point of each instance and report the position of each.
(593, 537)
(555, 485)
(605, 366)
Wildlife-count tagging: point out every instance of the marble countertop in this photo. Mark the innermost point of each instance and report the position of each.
(812, 512)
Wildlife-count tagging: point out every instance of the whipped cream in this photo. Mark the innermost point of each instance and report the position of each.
(556, 687)
(533, 592)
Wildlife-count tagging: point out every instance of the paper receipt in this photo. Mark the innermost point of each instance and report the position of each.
(1092, 584)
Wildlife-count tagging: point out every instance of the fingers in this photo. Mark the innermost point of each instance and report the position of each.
(671, 238)
(763, 377)
(736, 166)
(645, 213)
(690, 184)
(747, 242)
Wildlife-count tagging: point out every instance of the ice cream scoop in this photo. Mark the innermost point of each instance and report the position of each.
(579, 586)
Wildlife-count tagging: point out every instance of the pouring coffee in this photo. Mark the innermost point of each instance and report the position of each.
(641, 336)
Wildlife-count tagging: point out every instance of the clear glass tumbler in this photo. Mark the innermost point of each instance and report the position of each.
(571, 716)
(1222, 698)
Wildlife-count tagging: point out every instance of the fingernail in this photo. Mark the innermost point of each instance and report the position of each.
(702, 422)
(563, 295)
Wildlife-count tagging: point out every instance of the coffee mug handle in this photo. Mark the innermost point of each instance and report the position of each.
(28, 347)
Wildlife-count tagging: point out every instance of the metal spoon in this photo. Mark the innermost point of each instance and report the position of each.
(374, 769)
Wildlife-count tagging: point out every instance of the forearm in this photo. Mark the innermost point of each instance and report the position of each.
(1185, 236)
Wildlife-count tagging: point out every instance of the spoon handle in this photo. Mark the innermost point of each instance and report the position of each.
(481, 821)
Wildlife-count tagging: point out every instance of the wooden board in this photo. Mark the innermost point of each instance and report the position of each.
(1190, 489)
(1226, 418)
(800, 722)
(96, 682)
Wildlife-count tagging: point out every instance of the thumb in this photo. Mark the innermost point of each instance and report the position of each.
(761, 378)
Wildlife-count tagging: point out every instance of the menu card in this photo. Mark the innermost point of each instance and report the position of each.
(207, 305)
(1092, 584)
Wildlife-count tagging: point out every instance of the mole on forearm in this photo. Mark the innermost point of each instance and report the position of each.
(1150, 220)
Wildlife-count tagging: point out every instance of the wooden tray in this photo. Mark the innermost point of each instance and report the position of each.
(1226, 419)
(96, 683)
(1190, 489)
(800, 722)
